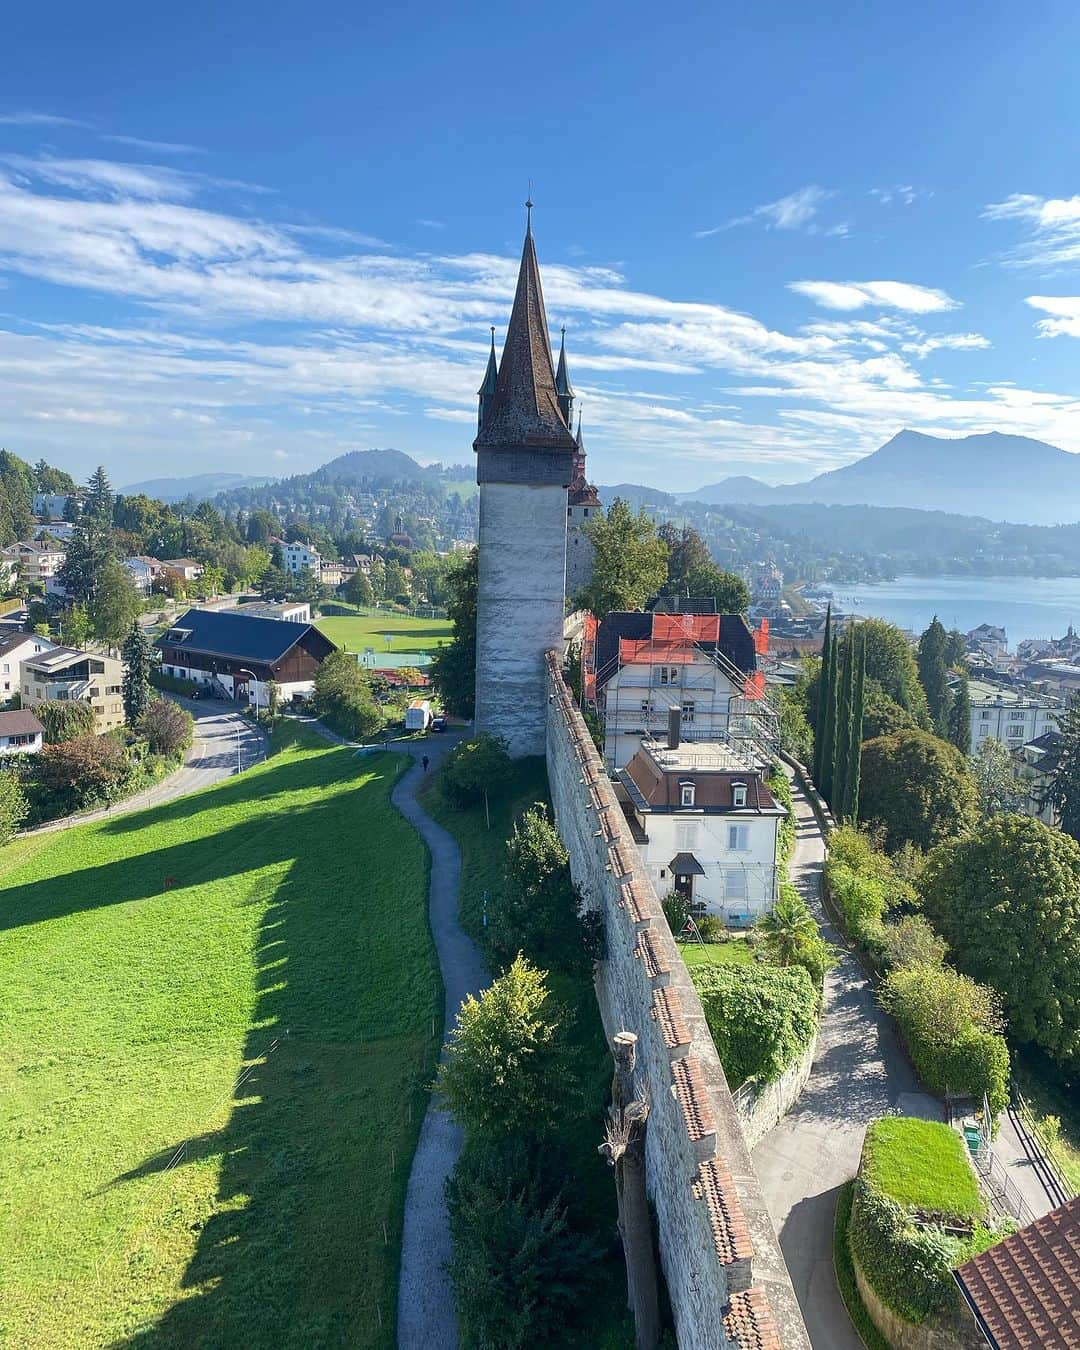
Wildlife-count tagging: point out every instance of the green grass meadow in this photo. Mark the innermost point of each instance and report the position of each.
(736, 952)
(362, 629)
(216, 1025)
(921, 1163)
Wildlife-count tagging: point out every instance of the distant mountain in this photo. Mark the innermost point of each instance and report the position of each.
(999, 477)
(198, 485)
(370, 466)
(635, 494)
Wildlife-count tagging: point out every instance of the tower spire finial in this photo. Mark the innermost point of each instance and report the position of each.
(528, 208)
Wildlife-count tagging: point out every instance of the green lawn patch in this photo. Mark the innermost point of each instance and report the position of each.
(735, 953)
(357, 631)
(921, 1164)
(216, 1036)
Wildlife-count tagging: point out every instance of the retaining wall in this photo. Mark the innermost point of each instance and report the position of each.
(956, 1330)
(726, 1276)
(762, 1107)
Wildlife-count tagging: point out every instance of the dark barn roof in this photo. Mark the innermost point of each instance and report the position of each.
(242, 637)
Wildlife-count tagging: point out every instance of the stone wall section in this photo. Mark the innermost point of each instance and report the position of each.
(760, 1107)
(726, 1276)
(956, 1330)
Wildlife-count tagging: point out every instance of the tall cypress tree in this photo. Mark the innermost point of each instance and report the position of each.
(843, 726)
(854, 774)
(828, 735)
(823, 685)
(138, 663)
(960, 717)
(934, 674)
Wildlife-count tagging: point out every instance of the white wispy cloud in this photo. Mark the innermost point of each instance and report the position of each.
(1064, 312)
(849, 295)
(39, 119)
(899, 194)
(797, 211)
(432, 224)
(255, 339)
(1053, 229)
(155, 147)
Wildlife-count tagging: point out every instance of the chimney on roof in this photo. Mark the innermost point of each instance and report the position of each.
(674, 727)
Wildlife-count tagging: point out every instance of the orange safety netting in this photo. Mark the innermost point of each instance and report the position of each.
(588, 658)
(686, 627)
(647, 652)
(761, 638)
(755, 685)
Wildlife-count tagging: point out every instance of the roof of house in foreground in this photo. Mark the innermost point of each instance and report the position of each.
(19, 722)
(1025, 1291)
(244, 637)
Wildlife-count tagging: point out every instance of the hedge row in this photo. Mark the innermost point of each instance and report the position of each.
(173, 684)
(761, 1018)
(909, 1265)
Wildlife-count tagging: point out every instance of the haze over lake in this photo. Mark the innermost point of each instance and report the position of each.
(1027, 607)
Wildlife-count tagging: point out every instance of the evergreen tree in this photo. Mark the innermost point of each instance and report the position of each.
(819, 711)
(1063, 790)
(850, 806)
(828, 736)
(843, 726)
(99, 497)
(960, 717)
(138, 663)
(89, 549)
(934, 674)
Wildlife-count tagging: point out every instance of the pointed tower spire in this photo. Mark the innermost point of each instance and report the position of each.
(563, 387)
(525, 410)
(486, 391)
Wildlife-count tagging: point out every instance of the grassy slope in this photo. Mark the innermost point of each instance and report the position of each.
(143, 963)
(921, 1163)
(482, 854)
(357, 631)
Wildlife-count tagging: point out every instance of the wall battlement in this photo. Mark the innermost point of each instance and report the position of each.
(725, 1273)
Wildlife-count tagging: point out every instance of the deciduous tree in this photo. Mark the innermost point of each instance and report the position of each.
(167, 728)
(916, 788)
(629, 561)
(453, 667)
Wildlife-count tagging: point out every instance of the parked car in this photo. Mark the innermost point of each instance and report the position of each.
(438, 724)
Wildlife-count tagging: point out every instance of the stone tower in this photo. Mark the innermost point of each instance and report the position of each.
(524, 463)
(582, 505)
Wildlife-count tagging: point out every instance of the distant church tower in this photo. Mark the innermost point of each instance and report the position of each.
(582, 505)
(524, 464)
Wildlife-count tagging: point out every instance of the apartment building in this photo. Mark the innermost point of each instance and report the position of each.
(63, 673)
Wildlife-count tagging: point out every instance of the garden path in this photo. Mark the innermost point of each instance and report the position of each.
(860, 1072)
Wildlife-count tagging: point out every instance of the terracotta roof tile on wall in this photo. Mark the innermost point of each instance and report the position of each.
(750, 1323)
(715, 1187)
(667, 1009)
(635, 898)
(693, 1099)
(1025, 1291)
(623, 859)
(648, 951)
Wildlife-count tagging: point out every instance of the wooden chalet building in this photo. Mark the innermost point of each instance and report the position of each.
(239, 655)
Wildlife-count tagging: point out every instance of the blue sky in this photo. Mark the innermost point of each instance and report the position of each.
(251, 237)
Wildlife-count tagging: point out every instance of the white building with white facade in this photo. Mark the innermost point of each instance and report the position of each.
(1013, 716)
(706, 825)
(14, 649)
(297, 558)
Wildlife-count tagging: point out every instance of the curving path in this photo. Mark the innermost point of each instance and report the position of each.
(860, 1072)
(426, 1314)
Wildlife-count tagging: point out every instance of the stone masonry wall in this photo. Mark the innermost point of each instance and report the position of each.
(760, 1108)
(725, 1274)
(520, 608)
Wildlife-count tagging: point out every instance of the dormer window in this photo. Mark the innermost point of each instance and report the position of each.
(686, 792)
(738, 794)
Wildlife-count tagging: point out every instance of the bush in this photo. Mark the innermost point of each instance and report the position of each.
(78, 774)
(343, 698)
(504, 1071)
(711, 928)
(678, 909)
(845, 1273)
(13, 804)
(916, 788)
(523, 1267)
(951, 1027)
(778, 785)
(909, 1267)
(761, 1018)
(63, 720)
(912, 942)
(861, 900)
(790, 936)
(167, 728)
(173, 684)
(473, 768)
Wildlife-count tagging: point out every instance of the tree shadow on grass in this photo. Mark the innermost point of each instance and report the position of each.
(301, 1248)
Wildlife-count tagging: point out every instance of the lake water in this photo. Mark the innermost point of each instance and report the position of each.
(1026, 607)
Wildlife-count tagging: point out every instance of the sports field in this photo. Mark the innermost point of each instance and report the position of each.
(366, 629)
(217, 1021)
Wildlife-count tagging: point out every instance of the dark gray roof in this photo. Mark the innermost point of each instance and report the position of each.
(20, 722)
(241, 636)
(524, 411)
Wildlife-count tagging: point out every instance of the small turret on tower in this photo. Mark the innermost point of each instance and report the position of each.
(486, 392)
(563, 387)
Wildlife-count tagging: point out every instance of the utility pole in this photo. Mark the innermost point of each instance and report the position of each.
(624, 1148)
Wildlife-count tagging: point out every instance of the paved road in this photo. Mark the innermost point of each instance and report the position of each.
(859, 1073)
(1020, 1159)
(213, 756)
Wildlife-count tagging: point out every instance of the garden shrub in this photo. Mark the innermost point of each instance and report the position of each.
(677, 910)
(861, 899)
(909, 1266)
(912, 942)
(523, 1266)
(778, 785)
(761, 1018)
(473, 768)
(173, 684)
